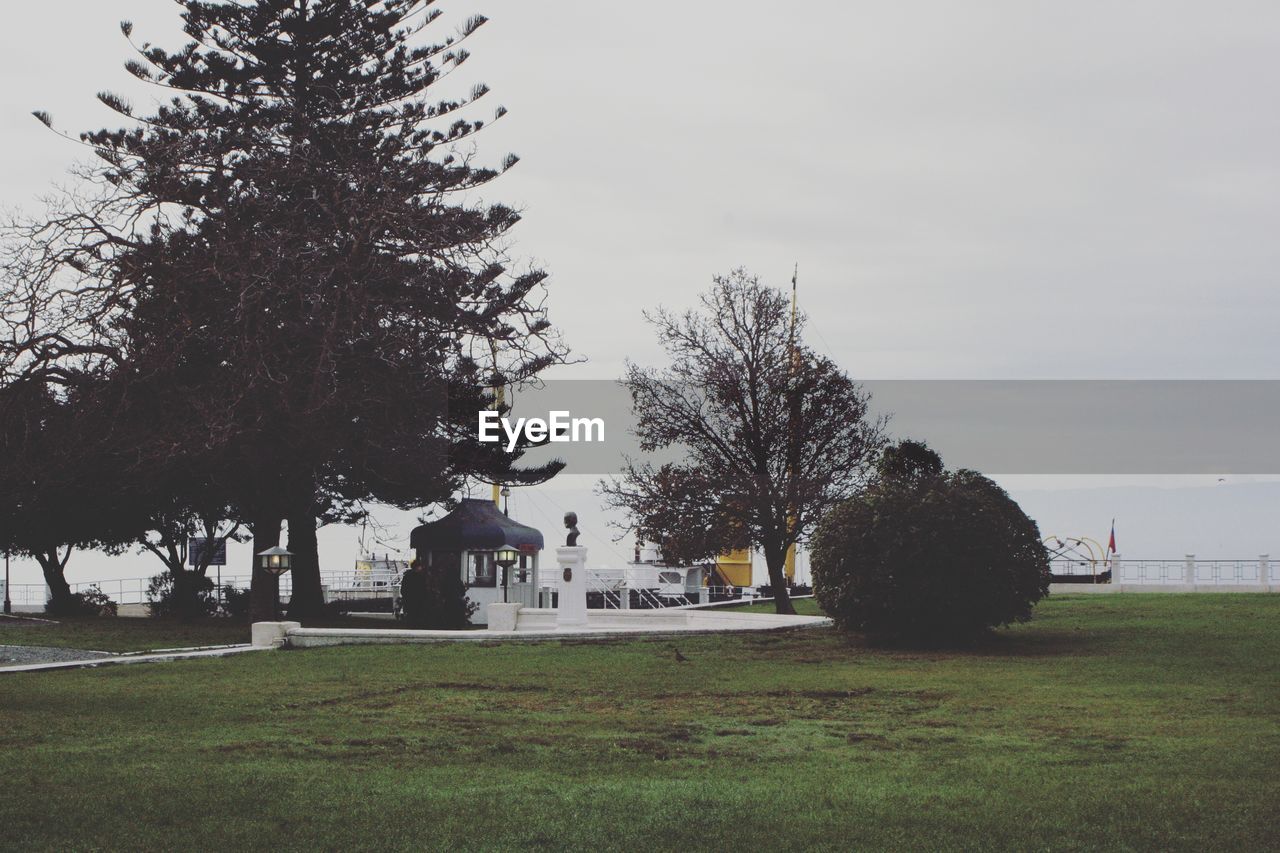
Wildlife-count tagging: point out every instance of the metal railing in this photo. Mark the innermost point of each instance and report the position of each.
(1070, 566)
(612, 584)
(339, 585)
(611, 588)
(1193, 571)
(1186, 571)
(28, 594)
(1228, 572)
(1149, 571)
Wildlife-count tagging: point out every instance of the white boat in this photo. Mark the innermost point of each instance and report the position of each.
(372, 578)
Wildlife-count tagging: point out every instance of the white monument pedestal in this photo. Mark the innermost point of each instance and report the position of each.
(271, 634)
(571, 566)
(502, 617)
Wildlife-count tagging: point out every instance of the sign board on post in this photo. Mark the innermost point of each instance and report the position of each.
(195, 549)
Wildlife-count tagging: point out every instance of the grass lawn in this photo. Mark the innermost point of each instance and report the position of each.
(123, 634)
(1141, 722)
(804, 607)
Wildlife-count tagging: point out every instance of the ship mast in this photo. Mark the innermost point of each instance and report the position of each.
(794, 356)
(499, 398)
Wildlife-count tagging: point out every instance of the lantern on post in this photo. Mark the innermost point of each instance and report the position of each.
(275, 562)
(506, 558)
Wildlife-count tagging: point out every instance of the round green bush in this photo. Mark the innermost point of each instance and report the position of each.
(936, 556)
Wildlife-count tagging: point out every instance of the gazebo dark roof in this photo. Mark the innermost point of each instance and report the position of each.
(476, 525)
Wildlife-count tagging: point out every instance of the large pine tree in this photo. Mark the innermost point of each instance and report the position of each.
(293, 265)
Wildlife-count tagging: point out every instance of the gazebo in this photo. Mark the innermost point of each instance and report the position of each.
(467, 541)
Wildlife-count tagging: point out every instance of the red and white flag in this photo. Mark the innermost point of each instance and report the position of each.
(1111, 545)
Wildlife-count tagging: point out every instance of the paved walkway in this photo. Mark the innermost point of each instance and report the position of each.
(534, 625)
(24, 655)
(77, 658)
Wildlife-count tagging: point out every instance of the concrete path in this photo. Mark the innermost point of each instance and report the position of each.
(31, 655)
(108, 659)
(521, 624)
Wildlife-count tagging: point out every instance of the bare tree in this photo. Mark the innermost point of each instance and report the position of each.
(774, 433)
(676, 506)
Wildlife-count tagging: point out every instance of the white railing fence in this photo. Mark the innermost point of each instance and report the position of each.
(1077, 567)
(1186, 571)
(338, 585)
(616, 589)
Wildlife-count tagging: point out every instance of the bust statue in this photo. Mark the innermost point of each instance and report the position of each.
(571, 522)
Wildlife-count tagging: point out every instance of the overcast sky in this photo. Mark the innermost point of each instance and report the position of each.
(978, 190)
(982, 190)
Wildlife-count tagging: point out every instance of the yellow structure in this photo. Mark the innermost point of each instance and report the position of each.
(735, 567)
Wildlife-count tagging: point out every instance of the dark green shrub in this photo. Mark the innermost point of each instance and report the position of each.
(928, 556)
(92, 602)
(235, 603)
(436, 599)
(198, 597)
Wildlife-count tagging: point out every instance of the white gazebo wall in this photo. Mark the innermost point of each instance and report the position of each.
(517, 593)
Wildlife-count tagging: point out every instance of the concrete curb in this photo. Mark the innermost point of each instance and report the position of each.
(132, 657)
(14, 617)
(734, 602)
(322, 637)
(534, 625)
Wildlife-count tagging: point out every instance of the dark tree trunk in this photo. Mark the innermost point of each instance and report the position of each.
(59, 590)
(186, 598)
(776, 560)
(308, 598)
(264, 590)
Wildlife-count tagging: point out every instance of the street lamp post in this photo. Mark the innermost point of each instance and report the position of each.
(8, 604)
(275, 562)
(506, 558)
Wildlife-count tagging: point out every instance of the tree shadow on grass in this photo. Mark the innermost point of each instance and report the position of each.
(819, 646)
(1044, 643)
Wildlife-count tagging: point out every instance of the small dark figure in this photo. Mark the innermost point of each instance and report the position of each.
(413, 595)
(571, 522)
(679, 657)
